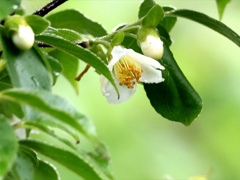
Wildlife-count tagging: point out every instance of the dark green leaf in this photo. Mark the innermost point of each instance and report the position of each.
(145, 7)
(78, 52)
(75, 163)
(69, 64)
(7, 7)
(45, 171)
(164, 34)
(168, 22)
(72, 19)
(8, 146)
(37, 23)
(153, 17)
(175, 98)
(25, 68)
(209, 22)
(24, 165)
(9, 109)
(221, 5)
(53, 106)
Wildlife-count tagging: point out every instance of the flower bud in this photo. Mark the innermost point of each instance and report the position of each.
(150, 43)
(20, 32)
(23, 38)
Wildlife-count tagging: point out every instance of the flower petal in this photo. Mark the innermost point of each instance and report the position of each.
(110, 93)
(151, 68)
(117, 53)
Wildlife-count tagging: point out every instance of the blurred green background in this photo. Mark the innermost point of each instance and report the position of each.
(145, 146)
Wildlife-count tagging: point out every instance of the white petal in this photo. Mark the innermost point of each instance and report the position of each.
(117, 53)
(151, 68)
(110, 93)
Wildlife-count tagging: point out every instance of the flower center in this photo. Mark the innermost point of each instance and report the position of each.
(127, 71)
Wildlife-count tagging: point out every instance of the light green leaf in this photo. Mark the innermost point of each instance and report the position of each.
(56, 67)
(175, 98)
(8, 146)
(153, 17)
(73, 162)
(72, 19)
(28, 167)
(53, 106)
(37, 23)
(7, 7)
(69, 64)
(78, 52)
(145, 6)
(221, 5)
(207, 21)
(67, 34)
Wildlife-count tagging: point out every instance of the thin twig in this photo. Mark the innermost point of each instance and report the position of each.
(82, 73)
(49, 7)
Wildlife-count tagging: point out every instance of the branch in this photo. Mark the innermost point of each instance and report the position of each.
(49, 7)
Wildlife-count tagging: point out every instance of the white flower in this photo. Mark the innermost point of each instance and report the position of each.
(152, 47)
(129, 68)
(23, 38)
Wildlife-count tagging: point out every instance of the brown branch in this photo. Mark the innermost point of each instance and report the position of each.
(49, 7)
(82, 73)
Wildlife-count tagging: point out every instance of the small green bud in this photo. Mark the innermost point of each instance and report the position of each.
(150, 42)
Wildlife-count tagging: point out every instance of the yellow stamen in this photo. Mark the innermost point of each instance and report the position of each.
(127, 71)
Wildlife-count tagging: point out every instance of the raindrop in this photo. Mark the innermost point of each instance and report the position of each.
(15, 6)
(35, 81)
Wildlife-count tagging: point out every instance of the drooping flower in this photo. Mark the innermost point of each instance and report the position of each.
(129, 68)
(23, 38)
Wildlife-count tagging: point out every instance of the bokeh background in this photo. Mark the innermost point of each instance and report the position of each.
(145, 146)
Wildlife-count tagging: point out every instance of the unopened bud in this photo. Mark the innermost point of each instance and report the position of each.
(21, 33)
(150, 43)
(23, 38)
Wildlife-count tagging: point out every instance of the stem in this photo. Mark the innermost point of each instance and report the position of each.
(82, 73)
(49, 7)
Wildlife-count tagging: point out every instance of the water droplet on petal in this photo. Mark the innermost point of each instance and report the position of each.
(106, 94)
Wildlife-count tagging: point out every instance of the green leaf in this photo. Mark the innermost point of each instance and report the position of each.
(67, 34)
(8, 146)
(56, 67)
(7, 7)
(24, 165)
(72, 19)
(145, 6)
(168, 22)
(78, 52)
(221, 5)
(209, 22)
(175, 98)
(69, 64)
(25, 68)
(37, 23)
(28, 167)
(46, 171)
(73, 162)
(53, 106)
(153, 17)
(9, 109)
